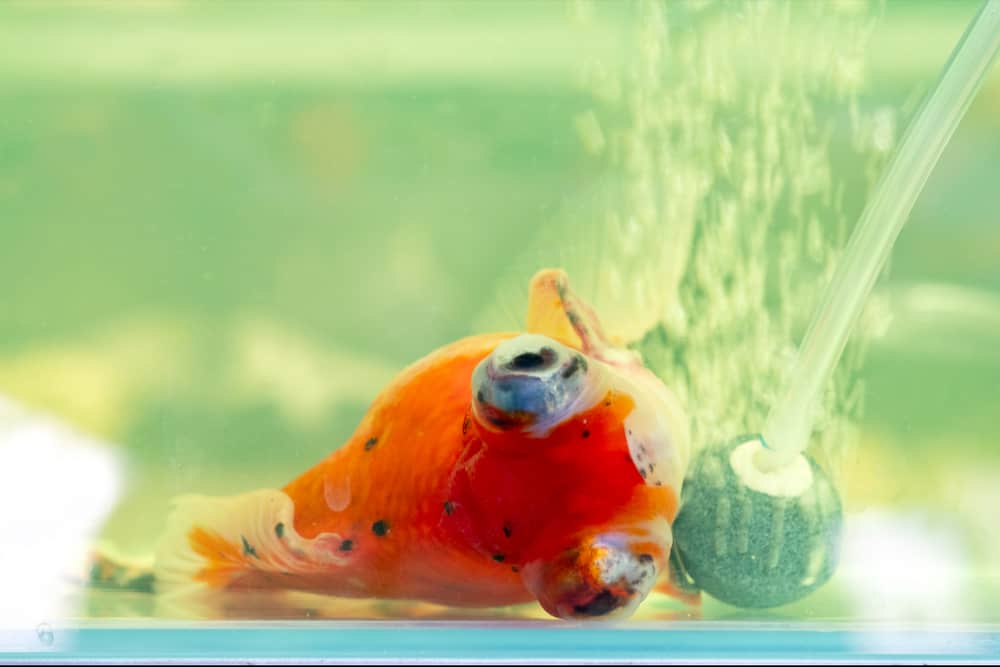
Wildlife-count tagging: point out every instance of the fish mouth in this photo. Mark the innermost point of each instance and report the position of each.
(503, 419)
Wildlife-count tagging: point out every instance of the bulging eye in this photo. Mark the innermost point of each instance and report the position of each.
(530, 382)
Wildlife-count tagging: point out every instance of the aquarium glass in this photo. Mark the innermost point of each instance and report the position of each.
(225, 227)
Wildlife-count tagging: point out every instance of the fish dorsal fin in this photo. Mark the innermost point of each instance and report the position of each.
(547, 313)
(556, 311)
(247, 540)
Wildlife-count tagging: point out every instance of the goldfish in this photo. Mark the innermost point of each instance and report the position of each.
(542, 465)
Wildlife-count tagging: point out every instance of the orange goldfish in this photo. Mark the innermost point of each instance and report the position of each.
(500, 469)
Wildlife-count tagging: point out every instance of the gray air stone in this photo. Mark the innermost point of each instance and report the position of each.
(750, 548)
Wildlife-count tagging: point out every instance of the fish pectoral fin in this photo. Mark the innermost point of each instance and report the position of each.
(679, 584)
(670, 588)
(247, 541)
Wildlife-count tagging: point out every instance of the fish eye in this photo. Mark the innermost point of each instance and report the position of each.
(528, 382)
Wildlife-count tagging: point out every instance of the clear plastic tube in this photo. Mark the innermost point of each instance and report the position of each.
(789, 425)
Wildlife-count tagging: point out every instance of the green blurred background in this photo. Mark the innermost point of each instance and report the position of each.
(224, 225)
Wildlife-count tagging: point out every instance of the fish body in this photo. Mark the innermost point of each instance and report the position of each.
(500, 469)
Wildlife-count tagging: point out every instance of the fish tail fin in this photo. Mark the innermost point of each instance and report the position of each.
(110, 570)
(246, 540)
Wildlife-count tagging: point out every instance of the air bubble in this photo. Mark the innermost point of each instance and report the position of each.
(45, 634)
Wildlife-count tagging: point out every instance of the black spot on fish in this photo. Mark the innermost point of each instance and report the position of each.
(480, 396)
(247, 549)
(643, 473)
(586, 434)
(645, 558)
(515, 568)
(279, 530)
(346, 545)
(449, 507)
(380, 527)
(652, 467)
(577, 364)
(507, 530)
(603, 602)
(499, 557)
(370, 444)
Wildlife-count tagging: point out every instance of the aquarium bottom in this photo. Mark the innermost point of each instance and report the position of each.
(542, 642)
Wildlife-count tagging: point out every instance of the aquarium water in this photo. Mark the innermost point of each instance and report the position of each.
(225, 227)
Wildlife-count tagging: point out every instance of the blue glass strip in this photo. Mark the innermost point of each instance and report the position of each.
(457, 641)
